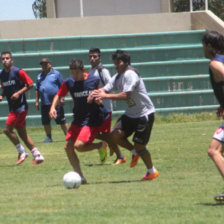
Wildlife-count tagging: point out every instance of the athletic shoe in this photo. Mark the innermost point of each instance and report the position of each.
(21, 157)
(150, 176)
(120, 160)
(134, 160)
(38, 159)
(47, 140)
(83, 180)
(220, 197)
(103, 152)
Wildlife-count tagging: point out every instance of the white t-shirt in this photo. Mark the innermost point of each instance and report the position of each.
(139, 104)
(106, 77)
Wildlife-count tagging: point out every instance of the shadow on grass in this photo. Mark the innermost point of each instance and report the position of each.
(50, 142)
(8, 165)
(103, 182)
(97, 164)
(212, 204)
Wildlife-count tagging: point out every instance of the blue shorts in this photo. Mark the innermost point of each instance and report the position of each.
(45, 118)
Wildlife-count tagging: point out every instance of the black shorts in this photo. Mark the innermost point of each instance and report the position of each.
(141, 127)
(45, 118)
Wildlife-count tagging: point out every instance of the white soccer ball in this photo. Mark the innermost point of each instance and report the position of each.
(72, 180)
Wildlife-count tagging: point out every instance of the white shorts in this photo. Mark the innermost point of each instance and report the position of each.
(219, 134)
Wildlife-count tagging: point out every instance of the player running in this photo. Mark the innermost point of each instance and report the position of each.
(88, 117)
(139, 115)
(15, 82)
(213, 46)
(103, 74)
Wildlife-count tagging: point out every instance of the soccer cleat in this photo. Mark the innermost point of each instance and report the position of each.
(150, 176)
(21, 157)
(134, 160)
(220, 197)
(47, 140)
(103, 152)
(83, 180)
(38, 159)
(120, 160)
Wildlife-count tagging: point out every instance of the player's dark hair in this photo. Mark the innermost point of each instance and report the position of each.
(216, 40)
(76, 64)
(6, 52)
(121, 55)
(95, 50)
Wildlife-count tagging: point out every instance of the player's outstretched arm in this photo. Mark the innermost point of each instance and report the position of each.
(53, 112)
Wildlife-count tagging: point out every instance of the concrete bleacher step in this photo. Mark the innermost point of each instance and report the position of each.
(138, 55)
(102, 41)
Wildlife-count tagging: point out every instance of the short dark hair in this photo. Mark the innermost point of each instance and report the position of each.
(76, 64)
(216, 40)
(95, 50)
(6, 52)
(121, 55)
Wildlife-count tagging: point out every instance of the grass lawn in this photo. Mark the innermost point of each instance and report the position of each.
(183, 192)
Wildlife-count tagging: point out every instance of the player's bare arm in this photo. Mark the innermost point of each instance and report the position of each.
(37, 100)
(53, 112)
(1, 97)
(16, 95)
(218, 70)
(101, 93)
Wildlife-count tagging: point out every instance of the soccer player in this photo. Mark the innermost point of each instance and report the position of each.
(213, 46)
(15, 82)
(139, 115)
(88, 117)
(47, 85)
(103, 74)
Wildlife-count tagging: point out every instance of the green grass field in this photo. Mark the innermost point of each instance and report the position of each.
(183, 193)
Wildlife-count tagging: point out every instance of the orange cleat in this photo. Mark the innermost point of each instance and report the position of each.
(150, 176)
(120, 161)
(134, 160)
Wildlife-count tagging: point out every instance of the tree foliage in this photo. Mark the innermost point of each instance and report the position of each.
(216, 6)
(39, 8)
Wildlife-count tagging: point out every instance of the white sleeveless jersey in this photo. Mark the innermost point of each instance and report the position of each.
(139, 104)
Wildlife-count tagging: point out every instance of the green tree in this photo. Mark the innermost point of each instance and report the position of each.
(216, 6)
(39, 8)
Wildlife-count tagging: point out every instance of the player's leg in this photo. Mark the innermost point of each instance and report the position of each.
(38, 158)
(215, 150)
(105, 135)
(143, 128)
(73, 159)
(8, 131)
(61, 120)
(46, 122)
(83, 139)
(120, 133)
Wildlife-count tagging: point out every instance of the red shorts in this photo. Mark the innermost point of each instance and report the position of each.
(85, 134)
(16, 119)
(105, 127)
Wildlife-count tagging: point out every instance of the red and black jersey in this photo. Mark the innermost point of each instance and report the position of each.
(85, 114)
(12, 82)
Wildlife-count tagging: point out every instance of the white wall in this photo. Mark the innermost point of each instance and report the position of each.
(71, 8)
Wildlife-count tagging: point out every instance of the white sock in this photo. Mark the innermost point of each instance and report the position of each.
(152, 170)
(134, 152)
(35, 152)
(20, 148)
